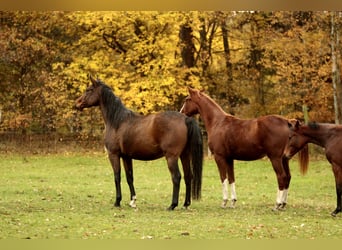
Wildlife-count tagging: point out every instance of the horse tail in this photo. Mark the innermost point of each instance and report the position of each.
(303, 156)
(195, 145)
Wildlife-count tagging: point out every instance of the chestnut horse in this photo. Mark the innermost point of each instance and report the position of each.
(328, 136)
(129, 135)
(231, 138)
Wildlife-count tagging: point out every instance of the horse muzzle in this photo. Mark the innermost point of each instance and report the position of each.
(79, 105)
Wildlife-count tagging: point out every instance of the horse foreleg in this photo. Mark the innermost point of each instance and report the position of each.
(224, 193)
(226, 170)
(283, 198)
(231, 180)
(338, 198)
(115, 162)
(338, 180)
(172, 163)
(282, 180)
(129, 177)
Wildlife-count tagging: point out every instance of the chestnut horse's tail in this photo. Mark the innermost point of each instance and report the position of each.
(303, 156)
(195, 147)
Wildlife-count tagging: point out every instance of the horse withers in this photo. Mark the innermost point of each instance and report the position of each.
(231, 138)
(129, 136)
(328, 136)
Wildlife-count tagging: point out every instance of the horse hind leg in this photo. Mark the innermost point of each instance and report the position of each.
(172, 163)
(339, 198)
(338, 179)
(185, 159)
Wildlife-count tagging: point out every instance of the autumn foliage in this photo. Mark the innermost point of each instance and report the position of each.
(252, 63)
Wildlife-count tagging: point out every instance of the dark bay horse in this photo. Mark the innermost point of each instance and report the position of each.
(328, 136)
(231, 138)
(132, 136)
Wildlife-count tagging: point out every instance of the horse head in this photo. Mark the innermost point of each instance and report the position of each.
(295, 142)
(91, 97)
(190, 106)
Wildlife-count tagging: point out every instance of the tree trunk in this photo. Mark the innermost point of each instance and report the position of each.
(335, 70)
(187, 46)
(229, 66)
(256, 54)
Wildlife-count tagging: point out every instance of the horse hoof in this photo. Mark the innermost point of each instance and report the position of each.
(277, 207)
(132, 203)
(172, 207)
(224, 204)
(283, 207)
(334, 213)
(232, 203)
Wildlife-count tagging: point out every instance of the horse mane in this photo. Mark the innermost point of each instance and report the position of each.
(313, 125)
(116, 112)
(213, 102)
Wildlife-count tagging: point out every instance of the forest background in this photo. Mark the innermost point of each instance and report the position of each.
(252, 63)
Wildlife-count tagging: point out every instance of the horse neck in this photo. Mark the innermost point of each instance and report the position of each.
(112, 109)
(318, 136)
(210, 112)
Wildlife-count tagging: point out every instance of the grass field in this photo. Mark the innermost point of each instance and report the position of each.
(71, 196)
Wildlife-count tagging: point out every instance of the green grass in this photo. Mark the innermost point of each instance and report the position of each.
(71, 197)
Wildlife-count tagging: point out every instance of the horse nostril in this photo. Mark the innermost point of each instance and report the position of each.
(79, 105)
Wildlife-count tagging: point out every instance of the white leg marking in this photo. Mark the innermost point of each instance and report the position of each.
(279, 196)
(233, 195)
(232, 191)
(132, 202)
(225, 192)
(285, 193)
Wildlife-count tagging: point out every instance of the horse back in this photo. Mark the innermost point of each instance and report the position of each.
(150, 137)
(274, 133)
(250, 139)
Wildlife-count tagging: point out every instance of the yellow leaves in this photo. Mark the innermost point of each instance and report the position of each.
(149, 95)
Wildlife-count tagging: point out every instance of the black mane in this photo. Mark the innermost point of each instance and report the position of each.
(313, 125)
(115, 111)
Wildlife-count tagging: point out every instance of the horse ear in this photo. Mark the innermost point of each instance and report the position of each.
(297, 124)
(293, 123)
(191, 90)
(92, 79)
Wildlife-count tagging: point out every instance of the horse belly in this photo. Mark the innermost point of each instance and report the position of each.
(247, 153)
(142, 150)
(237, 152)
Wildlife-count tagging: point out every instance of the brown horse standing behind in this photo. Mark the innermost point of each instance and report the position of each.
(231, 138)
(132, 136)
(328, 136)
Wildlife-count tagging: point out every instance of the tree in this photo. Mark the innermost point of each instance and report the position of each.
(27, 53)
(252, 63)
(335, 58)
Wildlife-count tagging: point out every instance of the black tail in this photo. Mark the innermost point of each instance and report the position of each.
(195, 142)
